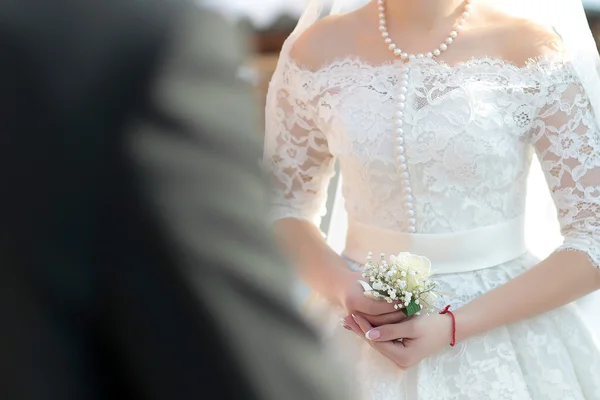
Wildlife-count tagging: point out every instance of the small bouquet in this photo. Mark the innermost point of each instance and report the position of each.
(403, 280)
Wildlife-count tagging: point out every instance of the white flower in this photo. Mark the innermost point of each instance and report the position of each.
(404, 279)
(421, 265)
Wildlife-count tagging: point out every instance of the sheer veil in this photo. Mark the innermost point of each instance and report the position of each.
(567, 18)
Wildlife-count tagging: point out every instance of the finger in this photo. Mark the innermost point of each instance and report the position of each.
(385, 333)
(385, 319)
(390, 349)
(344, 324)
(374, 307)
(351, 325)
(362, 322)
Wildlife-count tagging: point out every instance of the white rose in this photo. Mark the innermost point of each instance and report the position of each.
(421, 265)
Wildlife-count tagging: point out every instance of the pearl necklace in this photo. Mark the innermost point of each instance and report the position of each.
(409, 206)
(432, 54)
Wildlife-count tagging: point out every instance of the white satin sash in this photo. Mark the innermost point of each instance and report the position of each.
(450, 253)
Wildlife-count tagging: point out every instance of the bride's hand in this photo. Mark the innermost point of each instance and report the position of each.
(351, 296)
(421, 337)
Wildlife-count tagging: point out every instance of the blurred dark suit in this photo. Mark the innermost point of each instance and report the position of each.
(134, 258)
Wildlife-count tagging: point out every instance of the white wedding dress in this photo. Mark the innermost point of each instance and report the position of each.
(470, 131)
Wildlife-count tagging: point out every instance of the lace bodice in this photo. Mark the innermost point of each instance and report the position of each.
(470, 131)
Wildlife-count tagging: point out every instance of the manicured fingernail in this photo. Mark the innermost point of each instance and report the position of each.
(344, 324)
(354, 318)
(373, 334)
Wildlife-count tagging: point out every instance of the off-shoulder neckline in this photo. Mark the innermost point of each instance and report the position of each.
(543, 62)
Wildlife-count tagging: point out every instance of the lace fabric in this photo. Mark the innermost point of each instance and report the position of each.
(470, 132)
(554, 356)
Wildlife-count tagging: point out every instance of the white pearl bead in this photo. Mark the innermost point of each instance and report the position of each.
(399, 114)
(401, 106)
(409, 198)
(403, 89)
(412, 221)
(409, 206)
(403, 167)
(401, 98)
(405, 174)
(400, 149)
(410, 213)
(402, 159)
(408, 190)
(412, 229)
(400, 140)
(403, 55)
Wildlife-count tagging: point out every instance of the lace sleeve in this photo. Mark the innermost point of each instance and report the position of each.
(296, 153)
(567, 142)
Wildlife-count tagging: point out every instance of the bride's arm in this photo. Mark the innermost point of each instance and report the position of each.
(300, 164)
(567, 142)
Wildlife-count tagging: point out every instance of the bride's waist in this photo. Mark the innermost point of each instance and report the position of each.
(454, 252)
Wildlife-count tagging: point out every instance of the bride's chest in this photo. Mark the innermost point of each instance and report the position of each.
(467, 111)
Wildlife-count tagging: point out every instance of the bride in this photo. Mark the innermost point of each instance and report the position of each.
(433, 109)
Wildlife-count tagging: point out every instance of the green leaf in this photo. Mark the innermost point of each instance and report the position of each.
(411, 309)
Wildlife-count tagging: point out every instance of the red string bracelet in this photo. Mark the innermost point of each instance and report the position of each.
(446, 310)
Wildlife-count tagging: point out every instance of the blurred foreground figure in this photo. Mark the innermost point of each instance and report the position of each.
(134, 259)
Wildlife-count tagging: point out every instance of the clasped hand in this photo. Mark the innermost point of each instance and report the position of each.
(351, 296)
(381, 325)
(420, 337)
